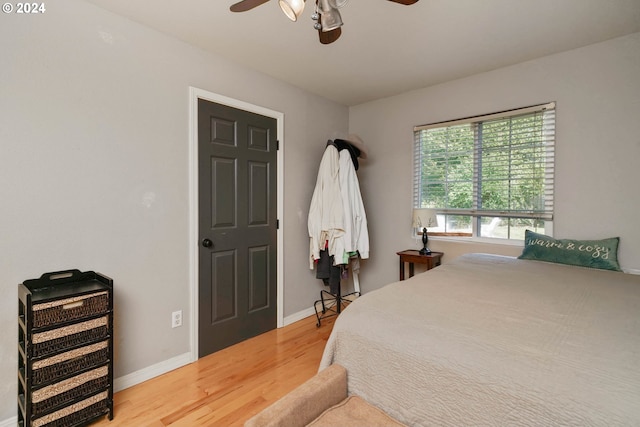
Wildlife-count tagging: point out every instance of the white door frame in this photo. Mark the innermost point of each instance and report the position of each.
(194, 95)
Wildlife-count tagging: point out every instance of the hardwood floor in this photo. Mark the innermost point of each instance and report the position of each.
(228, 387)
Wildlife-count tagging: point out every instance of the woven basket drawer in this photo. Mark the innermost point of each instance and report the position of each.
(77, 413)
(64, 310)
(56, 340)
(65, 392)
(64, 364)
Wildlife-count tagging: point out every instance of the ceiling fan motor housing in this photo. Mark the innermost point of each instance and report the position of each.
(336, 4)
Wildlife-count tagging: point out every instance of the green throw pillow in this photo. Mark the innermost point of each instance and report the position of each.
(601, 254)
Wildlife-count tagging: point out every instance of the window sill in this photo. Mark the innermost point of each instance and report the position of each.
(483, 240)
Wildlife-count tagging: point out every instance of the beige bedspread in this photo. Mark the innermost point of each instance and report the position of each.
(495, 341)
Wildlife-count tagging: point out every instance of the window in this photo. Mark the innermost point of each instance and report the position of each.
(488, 176)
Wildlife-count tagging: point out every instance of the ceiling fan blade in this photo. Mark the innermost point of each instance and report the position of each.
(405, 2)
(244, 5)
(329, 36)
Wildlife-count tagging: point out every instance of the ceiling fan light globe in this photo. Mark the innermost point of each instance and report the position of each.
(292, 8)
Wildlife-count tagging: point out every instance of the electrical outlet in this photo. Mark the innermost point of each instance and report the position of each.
(176, 319)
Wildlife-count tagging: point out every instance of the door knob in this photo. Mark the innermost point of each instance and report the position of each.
(207, 243)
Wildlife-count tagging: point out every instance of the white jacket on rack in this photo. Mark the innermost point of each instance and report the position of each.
(336, 214)
(356, 236)
(326, 217)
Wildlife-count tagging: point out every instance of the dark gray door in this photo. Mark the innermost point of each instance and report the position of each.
(237, 225)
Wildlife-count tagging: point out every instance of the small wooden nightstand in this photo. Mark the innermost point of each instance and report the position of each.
(413, 257)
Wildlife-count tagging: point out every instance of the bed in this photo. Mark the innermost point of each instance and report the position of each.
(490, 340)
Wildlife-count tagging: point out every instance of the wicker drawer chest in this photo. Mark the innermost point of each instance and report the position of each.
(65, 350)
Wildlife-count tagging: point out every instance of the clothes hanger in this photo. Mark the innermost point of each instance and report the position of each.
(342, 144)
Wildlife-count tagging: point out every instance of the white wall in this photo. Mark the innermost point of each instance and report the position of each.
(597, 90)
(94, 137)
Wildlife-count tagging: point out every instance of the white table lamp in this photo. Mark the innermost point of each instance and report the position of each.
(423, 218)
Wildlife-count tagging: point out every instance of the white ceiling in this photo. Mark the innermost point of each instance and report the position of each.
(386, 48)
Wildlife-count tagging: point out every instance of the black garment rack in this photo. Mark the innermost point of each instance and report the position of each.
(333, 304)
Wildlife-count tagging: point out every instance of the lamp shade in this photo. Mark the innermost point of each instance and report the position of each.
(292, 8)
(425, 218)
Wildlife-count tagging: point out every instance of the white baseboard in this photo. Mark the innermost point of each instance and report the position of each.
(298, 316)
(9, 422)
(152, 371)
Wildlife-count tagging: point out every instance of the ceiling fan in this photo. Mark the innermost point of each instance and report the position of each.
(326, 16)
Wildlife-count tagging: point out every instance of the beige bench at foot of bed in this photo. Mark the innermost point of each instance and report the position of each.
(322, 401)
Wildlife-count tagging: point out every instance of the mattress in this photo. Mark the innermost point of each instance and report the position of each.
(490, 340)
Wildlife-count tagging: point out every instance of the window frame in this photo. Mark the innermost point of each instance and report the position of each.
(546, 141)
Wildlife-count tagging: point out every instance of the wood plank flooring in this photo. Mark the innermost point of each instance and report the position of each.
(228, 387)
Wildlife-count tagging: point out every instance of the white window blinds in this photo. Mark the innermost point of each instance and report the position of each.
(497, 165)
